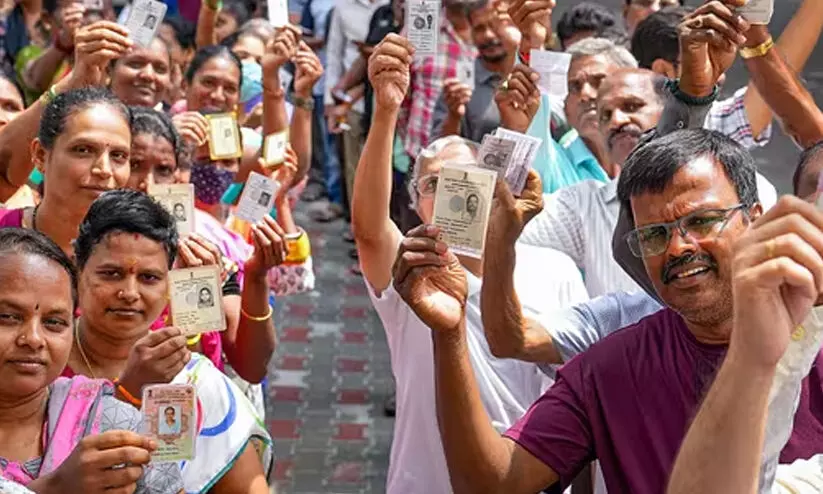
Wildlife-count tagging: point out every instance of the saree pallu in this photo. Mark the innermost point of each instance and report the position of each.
(227, 423)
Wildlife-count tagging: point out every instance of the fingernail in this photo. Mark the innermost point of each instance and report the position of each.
(440, 247)
(534, 76)
(431, 229)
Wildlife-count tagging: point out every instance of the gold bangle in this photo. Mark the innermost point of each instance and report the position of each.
(194, 339)
(49, 95)
(258, 319)
(757, 51)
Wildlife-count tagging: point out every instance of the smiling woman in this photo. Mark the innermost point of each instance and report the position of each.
(82, 149)
(142, 76)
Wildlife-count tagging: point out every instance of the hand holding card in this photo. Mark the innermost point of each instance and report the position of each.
(169, 418)
(257, 199)
(145, 17)
(95, 46)
(757, 11)
(461, 207)
(155, 359)
(197, 299)
(224, 136)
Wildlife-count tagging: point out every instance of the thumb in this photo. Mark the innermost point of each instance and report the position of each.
(503, 194)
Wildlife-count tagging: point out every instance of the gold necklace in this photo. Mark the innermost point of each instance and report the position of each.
(80, 348)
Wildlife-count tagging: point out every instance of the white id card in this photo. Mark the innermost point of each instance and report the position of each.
(465, 72)
(525, 152)
(462, 205)
(257, 198)
(274, 148)
(144, 19)
(757, 11)
(553, 68)
(169, 417)
(285, 79)
(178, 199)
(278, 12)
(224, 136)
(196, 298)
(423, 26)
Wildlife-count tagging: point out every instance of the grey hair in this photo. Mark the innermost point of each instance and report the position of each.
(430, 153)
(615, 53)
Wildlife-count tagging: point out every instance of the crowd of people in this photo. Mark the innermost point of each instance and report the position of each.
(643, 316)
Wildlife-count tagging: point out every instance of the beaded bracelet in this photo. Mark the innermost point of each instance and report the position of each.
(125, 392)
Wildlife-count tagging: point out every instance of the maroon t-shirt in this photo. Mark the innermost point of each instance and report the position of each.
(629, 400)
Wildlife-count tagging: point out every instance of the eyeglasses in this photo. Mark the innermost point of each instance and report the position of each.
(653, 240)
(426, 185)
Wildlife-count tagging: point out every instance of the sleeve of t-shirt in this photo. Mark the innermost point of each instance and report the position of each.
(559, 226)
(556, 429)
(391, 309)
(158, 478)
(575, 329)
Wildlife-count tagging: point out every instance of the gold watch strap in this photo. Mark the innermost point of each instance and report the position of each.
(759, 50)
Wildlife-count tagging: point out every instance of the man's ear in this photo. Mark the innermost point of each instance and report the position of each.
(756, 211)
(664, 68)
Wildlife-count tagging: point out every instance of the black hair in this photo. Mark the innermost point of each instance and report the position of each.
(28, 241)
(53, 121)
(812, 153)
(238, 10)
(652, 166)
(50, 6)
(629, 2)
(205, 54)
(184, 31)
(169, 408)
(158, 124)
(656, 37)
(473, 6)
(125, 211)
(617, 34)
(583, 17)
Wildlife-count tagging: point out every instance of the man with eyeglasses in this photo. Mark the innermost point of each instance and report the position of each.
(629, 399)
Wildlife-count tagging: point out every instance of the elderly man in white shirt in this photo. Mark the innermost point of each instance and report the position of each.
(544, 279)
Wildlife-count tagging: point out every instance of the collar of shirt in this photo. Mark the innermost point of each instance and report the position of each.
(484, 76)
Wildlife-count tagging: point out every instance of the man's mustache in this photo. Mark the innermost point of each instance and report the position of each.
(630, 129)
(490, 44)
(685, 260)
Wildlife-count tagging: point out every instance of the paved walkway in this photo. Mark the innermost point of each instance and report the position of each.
(329, 378)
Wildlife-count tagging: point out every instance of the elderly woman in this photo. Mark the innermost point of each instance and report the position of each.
(59, 434)
(125, 248)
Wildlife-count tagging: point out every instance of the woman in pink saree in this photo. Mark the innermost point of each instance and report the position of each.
(58, 434)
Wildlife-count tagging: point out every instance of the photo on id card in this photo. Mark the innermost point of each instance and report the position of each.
(257, 199)
(178, 199)
(145, 17)
(224, 136)
(169, 418)
(462, 205)
(196, 299)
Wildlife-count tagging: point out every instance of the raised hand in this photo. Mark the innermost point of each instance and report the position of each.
(192, 127)
(109, 462)
(430, 279)
(71, 19)
(709, 39)
(155, 359)
(518, 99)
(281, 48)
(308, 70)
(270, 247)
(195, 251)
(534, 20)
(777, 277)
(96, 45)
(457, 96)
(509, 215)
(389, 71)
(505, 27)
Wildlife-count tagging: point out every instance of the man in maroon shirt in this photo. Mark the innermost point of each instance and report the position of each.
(629, 400)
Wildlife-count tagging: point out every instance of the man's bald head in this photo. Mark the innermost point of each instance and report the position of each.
(630, 102)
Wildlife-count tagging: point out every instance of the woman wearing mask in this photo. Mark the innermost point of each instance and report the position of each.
(248, 343)
(126, 246)
(82, 149)
(58, 434)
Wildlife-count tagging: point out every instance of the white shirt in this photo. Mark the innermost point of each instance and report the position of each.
(543, 278)
(579, 221)
(349, 23)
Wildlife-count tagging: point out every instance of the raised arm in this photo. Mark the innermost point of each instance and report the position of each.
(206, 34)
(39, 73)
(280, 49)
(777, 277)
(433, 283)
(308, 72)
(796, 43)
(376, 235)
(95, 46)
